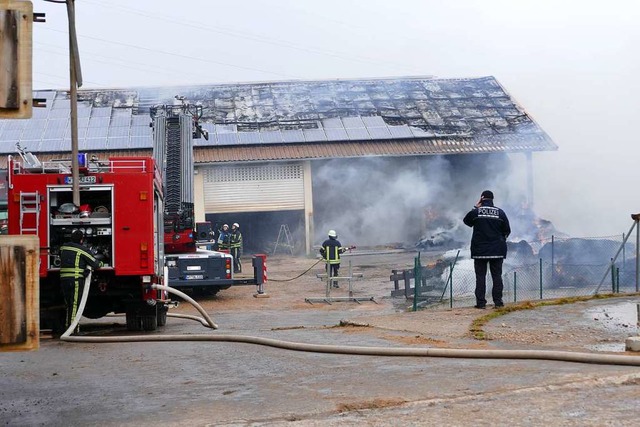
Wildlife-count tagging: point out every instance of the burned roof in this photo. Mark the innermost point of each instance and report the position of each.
(444, 115)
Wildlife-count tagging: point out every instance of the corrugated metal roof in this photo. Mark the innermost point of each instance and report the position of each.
(440, 115)
(283, 152)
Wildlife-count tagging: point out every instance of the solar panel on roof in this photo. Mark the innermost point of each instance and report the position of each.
(400, 131)
(420, 133)
(61, 103)
(124, 121)
(15, 124)
(333, 123)
(97, 132)
(101, 112)
(56, 145)
(55, 128)
(40, 113)
(118, 131)
(249, 137)
(336, 134)
(356, 134)
(140, 120)
(13, 134)
(314, 135)
(271, 136)
(84, 110)
(227, 138)
(7, 146)
(35, 132)
(201, 142)
(141, 142)
(59, 113)
(293, 135)
(93, 144)
(139, 131)
(352, 122)
(373, 121)
(379, 132)
(225, 129)
(117, 143)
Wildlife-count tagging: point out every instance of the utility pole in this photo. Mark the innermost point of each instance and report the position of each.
(75, 81)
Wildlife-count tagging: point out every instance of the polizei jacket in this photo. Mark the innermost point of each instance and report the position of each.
(490, 231)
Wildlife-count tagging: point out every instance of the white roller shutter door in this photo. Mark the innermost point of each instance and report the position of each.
(253, 188)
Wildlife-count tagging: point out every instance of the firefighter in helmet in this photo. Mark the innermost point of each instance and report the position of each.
(331, 250)
(75, 260)
(223, 238)
(235, 246)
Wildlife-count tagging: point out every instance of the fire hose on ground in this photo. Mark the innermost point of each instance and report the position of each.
(554, 355)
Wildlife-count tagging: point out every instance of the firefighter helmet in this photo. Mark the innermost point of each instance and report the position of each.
(225, 226)
(236, 225)
(332, 233)
(85, 211)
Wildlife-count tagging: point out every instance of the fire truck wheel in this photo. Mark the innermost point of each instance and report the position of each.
(149, 322)
(162, 316)
(133, 321)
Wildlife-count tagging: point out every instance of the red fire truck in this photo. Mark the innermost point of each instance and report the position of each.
(121, 216)
(190, 268)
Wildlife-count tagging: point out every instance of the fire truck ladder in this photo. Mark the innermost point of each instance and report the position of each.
(29, 205)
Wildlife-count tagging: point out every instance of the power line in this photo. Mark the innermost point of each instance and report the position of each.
(255, 38)
(104, 59)
(179, 55)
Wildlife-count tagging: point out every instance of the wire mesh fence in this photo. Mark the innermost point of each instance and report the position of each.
(556, 268)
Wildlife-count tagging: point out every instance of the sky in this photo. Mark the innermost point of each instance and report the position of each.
(573, 65)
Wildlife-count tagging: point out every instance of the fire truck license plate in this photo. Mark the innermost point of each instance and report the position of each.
(194, 276)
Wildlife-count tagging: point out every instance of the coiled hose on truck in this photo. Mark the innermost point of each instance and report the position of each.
(561, 356)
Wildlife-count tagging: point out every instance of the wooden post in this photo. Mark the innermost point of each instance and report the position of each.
(19, 288)
(16, 22)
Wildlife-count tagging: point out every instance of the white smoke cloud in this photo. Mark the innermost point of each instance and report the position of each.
(382, 201)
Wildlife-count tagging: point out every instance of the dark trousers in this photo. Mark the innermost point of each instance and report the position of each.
(237, 264)
(332, 271)
(480, 267)
(72, 291)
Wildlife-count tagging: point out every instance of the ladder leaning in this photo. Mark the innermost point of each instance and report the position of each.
(29, 212)
(284, 240)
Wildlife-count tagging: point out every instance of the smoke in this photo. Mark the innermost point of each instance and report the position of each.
(399, 201)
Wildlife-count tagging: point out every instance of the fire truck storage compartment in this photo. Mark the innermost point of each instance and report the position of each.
(95, 221)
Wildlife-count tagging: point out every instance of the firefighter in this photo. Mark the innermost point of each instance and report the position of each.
(331, 250)
(235, 245)
(75, 260)
(223, 238)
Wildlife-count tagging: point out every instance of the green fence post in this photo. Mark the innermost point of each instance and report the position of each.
(451, 285)
(553, 259)
(416, 274)
(613, 278)
(624, 253)
(617, 280)
(515, 287)
(540, 278)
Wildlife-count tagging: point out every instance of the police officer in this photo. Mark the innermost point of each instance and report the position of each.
(235, 246)
(488, 246)
(330, 251)
(75, 259)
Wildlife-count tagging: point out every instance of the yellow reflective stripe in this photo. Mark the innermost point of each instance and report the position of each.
(78, 252)
(74, 309)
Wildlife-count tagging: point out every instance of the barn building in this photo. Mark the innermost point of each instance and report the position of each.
(271, 144)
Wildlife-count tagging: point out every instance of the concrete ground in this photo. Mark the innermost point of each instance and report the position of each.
(237, 384)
